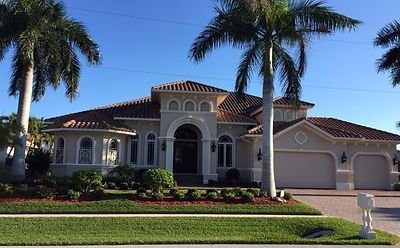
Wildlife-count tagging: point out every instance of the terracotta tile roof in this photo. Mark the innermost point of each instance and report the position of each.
(335, 127)
(190, 86)
(245, 105)
(284, 101)
(344, 129)
(225, 116)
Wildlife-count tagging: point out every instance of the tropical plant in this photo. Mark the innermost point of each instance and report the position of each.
(38, 162)
(124, 172)
(389, 38)
(87, 180)
(158, 179)
(268, 31)
(45, 42)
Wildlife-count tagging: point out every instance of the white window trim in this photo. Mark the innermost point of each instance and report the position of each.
(233, 152)
(172, 100)
(55, 151)
(78, 146)
(209, 105)
(138, 150)
(155, 149)
(194, 104)
(119, 151)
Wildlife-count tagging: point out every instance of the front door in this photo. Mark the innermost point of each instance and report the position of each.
(185, 157)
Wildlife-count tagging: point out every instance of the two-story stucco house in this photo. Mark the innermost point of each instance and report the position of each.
(199, 130)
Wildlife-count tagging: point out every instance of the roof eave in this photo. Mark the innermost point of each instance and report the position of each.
(53, 130)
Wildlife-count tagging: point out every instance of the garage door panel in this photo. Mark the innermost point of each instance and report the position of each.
(304, 170)
(370, 172)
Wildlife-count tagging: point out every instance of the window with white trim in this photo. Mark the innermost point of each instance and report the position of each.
(60, 151)
(205, 107)
(113, 152)
(134, 150)
(225, 151)
(189, 106)
(173, 105)
(151, 149)
(86, 151)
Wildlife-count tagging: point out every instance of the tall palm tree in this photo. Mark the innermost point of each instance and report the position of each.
(389, 37)
(268, 31)
(46, 44)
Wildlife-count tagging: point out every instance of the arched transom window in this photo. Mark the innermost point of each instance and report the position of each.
(113, 152)
(86, 151)
(189, 106)
(173, 105)
(151, 149)
(60, 151)
(225, 151)
(205, 107)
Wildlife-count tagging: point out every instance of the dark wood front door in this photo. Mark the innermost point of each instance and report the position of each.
(185, 157)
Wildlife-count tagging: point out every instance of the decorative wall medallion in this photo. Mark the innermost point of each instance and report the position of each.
(300, 138)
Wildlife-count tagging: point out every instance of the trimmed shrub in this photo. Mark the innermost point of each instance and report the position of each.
(238, 191)
(287, 196)
(193, 195)
(6, 190)
(172, 191)
(50, 182)
(124, 186)
(141, 190)
(212, 196)
(73, 195)
(225, 191)
(396, 187)
(232, 176)
(64, 182)
(38, 162)
(248, 197)
(157, 196)
(179, 196)
(97, 193)
(22, 189)
(111, 185)
(87, 180)
(134, 185)
(212, 190)
(141, 196)
(124, 172)
(158, 179)
(46, 193)
(139, 175)
(229, 197)
(255, 192)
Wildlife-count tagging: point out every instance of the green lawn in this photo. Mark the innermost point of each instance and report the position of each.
(128, 206)
(180, 230)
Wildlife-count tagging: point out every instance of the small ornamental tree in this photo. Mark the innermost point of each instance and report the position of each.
(87, 180)
(158, 179)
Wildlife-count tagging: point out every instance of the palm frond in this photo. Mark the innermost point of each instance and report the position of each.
(17, 69)
(388, 35)
(249, 61)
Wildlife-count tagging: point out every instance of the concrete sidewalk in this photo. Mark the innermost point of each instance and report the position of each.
(157, 215)
(207, 246)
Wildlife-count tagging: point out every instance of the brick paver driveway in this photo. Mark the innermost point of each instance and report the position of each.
(343, 204)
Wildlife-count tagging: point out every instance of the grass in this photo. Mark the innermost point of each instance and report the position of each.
(128, 206)
(179, 230)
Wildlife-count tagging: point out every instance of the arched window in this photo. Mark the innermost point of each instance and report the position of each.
(205, 107)
(189, 106)
(225, 151)
(86, 151)
(151, 149)
(173, 105)
(113, 152)
(60, 151)
(134, 159)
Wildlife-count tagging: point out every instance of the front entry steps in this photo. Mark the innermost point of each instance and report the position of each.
(188, 179)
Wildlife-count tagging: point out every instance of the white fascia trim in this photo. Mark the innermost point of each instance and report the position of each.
(134, 119)
(191, 92)
(281, 106)
(188, 112)
(86, 130)
(236, 123)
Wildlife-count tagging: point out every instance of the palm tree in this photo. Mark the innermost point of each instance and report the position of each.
(46, 44)
(268, 30)
(389, 37)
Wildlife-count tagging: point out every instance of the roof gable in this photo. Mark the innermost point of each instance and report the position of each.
(188, 86)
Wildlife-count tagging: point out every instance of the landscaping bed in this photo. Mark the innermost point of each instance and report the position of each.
(180, 230)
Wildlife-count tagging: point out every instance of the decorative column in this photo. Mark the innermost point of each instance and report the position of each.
(169, 156)
(206, 167)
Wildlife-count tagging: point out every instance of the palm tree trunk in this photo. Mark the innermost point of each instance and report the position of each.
(24, 106)
(268, 177)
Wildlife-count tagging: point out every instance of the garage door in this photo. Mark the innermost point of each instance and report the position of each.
(304, 170)
(370, 172)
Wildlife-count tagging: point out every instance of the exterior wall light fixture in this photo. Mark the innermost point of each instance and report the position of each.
(213, 146)
(259, 155)
(163, 146)
(344, 158)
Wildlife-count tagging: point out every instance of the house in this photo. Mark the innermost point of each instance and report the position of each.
(202, 131)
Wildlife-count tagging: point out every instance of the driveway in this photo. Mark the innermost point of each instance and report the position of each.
(343, 204)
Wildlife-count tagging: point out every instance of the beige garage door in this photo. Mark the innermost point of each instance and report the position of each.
(304, 170)
(370, 172)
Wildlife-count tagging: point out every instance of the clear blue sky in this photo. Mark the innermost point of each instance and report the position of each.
(130, 45)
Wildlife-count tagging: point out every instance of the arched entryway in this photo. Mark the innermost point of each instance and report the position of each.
(187, 154)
